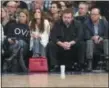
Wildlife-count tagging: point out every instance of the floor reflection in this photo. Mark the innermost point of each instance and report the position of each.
(38, 80)
(55, 80)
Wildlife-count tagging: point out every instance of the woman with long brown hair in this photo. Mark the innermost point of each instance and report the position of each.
(54, 13)
(39, 33)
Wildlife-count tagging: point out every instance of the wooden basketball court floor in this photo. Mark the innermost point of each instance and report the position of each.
(84, 80)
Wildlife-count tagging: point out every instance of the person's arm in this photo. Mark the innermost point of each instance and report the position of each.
(72, 42)
(79, 32)
(55, 33)
(106, 29)
(2, 34)
(10, 31)
(27, 36)
(59, 43)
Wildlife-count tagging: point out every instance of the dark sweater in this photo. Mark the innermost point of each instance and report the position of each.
(82, 19)
(7, 26)
(62, 33)
(19, 31)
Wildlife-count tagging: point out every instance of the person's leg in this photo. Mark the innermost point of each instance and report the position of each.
(8, 62)
(106, 52)
(23, 53)
(14, 49)
(106, 47)
(36, 46)
(68, 58)
(52, 53)
(42, 50)
(81, 54)
(89, 53)
(61, 55)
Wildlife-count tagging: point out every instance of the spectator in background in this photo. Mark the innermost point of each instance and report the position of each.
(63, 5)
(103, 6)
(83, 9)
(18, 37)
(21, 4)
(1, 42)
(37, 4)
(54, 13)
(73, 5)
(47, 5)
(82, 17)
(53, 16)
(96, 35)
(4, 16)
(91, 4)
(40, 29)
(9, 19)
(11, 8)
(3, 21)
(1, 30)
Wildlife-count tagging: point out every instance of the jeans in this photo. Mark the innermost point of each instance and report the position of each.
(37, 47)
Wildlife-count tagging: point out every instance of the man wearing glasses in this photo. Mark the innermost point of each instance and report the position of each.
(96, 35)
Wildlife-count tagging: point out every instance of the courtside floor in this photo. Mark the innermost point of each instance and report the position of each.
(55, 80)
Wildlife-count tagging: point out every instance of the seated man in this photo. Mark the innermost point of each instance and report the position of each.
(96, 35)
(65, 39)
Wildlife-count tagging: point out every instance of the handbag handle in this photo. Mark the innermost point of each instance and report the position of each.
(39, 56)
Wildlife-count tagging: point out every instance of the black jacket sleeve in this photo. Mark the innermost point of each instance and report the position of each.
(27, 39)
(55, 33)
(79, 31)
(106, 29)
(10, 31)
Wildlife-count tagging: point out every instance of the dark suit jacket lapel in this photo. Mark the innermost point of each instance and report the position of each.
(100, 28)
(91, 27)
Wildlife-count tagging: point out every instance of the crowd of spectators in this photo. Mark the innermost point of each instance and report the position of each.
(64, 32)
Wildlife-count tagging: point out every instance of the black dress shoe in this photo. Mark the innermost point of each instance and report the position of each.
(55, 68)
(83, 67)
(88, 70)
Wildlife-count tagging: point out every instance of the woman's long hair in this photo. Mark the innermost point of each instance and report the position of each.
(40, 26)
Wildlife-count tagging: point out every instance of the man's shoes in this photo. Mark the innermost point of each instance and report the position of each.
(55, 68)
(88, 70)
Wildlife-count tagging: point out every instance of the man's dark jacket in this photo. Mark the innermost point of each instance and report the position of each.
(61, 32)
(103, 29)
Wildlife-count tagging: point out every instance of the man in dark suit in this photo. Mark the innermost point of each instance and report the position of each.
(96, 35)
(66, 36)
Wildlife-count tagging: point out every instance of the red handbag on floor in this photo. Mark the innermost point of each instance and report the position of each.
(38, 64)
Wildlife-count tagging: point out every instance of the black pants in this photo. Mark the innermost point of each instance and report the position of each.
(51, 51)
(18, 52)
(58, 55)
